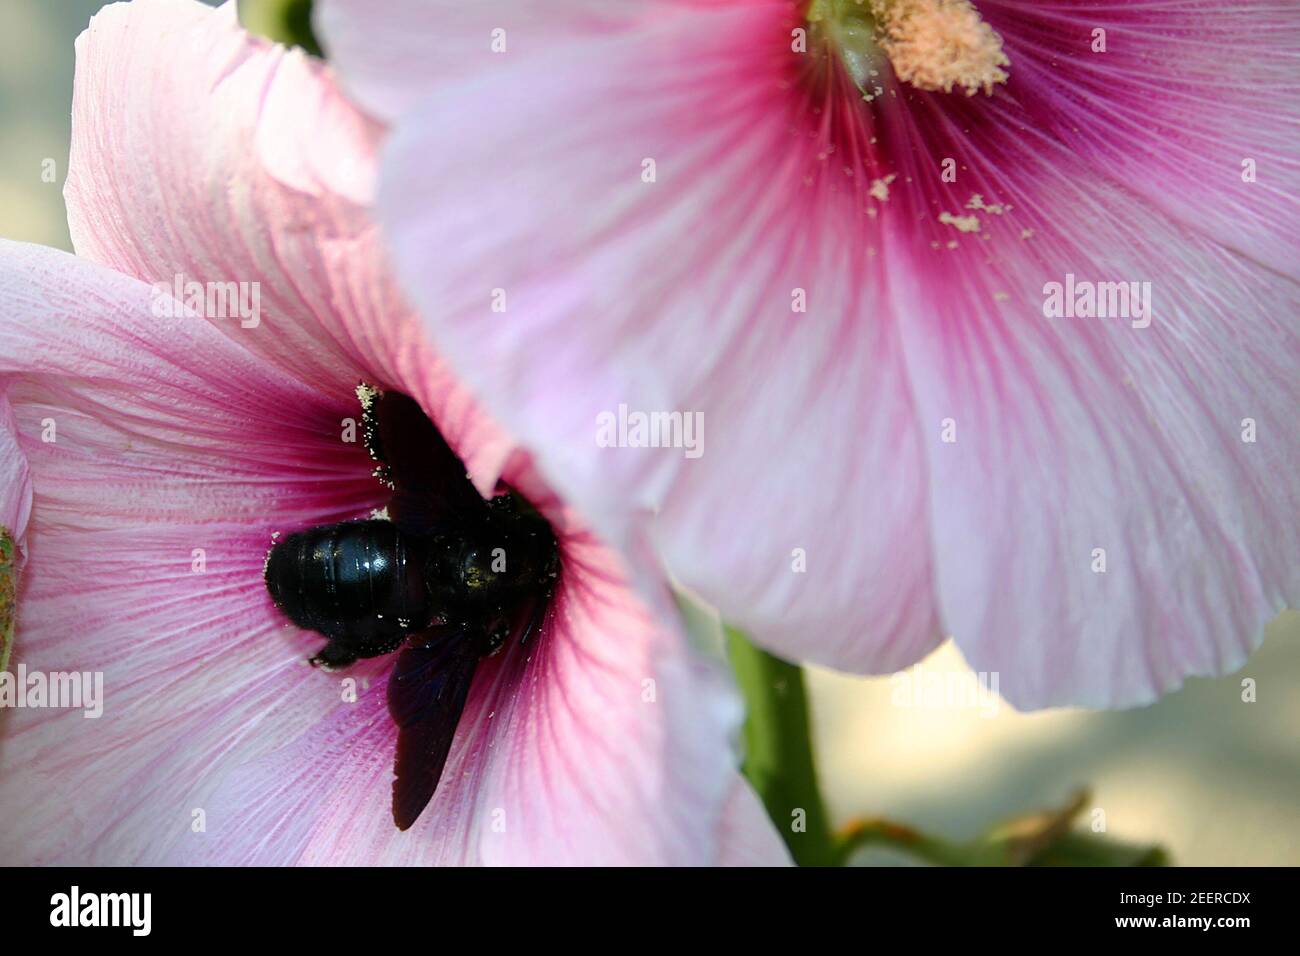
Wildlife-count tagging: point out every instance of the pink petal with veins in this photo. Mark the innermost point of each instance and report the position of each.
(183, 433)
(825, 429)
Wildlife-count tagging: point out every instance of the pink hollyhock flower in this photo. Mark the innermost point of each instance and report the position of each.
(166, 449)
(843, 233)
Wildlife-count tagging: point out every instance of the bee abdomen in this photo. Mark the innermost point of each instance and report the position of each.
(360, 580)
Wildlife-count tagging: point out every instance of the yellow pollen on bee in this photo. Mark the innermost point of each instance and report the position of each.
(366, 395)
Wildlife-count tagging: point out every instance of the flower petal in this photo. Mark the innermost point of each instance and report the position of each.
(1163, 446)
(158, 480)
(1173, 101)
(263, 180)
(618, 293)
(748, 837)
(605, 743)
(163, 444)
(624, 290)
(391, 58)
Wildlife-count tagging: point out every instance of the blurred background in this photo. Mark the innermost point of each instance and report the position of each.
(1212, 778)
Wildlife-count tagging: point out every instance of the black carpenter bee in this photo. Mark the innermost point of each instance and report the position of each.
(448, 579)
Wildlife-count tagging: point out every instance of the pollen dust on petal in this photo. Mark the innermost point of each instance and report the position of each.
(976, 201)
(880, 187)
(960, 223)
(940, 44)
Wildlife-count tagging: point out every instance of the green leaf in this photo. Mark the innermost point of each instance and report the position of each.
(1042, 838)
(1088, 849)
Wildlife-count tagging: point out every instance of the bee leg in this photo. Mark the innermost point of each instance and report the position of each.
(495, 636)
(333, 656)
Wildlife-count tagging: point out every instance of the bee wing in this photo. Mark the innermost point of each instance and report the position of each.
(426, 695)
(428, 480)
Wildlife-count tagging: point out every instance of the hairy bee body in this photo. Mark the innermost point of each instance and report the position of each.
(366, 585)
(362, 583)
(449, 580)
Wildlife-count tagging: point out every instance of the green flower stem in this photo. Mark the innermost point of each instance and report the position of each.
(779, 763)
(897, 836)
(778, 751)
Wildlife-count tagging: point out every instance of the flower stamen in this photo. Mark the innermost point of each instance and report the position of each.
(931, 44)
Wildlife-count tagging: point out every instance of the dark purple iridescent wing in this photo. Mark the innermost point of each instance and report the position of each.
(426, 695)
(429, 483)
